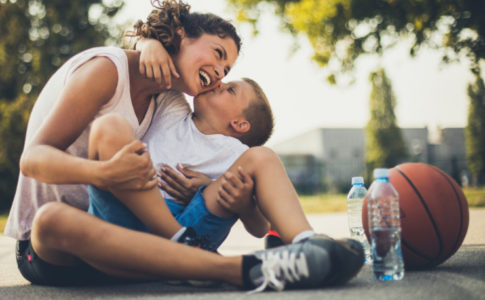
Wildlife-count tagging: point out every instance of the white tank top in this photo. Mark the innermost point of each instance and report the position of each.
(32, 194)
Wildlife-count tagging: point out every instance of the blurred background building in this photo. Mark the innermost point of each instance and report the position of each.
(325, 159)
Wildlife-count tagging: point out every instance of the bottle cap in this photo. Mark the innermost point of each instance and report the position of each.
(357, 179)
(381, 173)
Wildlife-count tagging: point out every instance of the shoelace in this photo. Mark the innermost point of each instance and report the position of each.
(281, 267)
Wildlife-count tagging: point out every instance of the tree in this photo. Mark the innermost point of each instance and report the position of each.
(475, 131)
(385, 146)
(37, 37)
(342, 30)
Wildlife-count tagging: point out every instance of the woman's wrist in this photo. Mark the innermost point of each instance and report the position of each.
(99, 174)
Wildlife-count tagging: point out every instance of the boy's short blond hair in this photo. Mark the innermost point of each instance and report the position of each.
(259, 115)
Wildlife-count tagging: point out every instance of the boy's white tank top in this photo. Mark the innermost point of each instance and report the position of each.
(32, 194)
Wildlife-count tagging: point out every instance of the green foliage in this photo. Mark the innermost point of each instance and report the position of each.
(385, 146)
(475, 196)
(37, 37)
(475, 132)
(342, 30)
(13, 120)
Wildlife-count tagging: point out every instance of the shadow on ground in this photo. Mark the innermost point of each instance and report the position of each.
(461, 277)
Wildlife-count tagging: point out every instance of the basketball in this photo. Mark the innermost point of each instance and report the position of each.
(433, 212)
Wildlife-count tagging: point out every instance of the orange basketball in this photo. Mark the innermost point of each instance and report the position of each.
(434, 214)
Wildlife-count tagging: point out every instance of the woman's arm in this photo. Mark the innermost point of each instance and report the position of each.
(87, 90)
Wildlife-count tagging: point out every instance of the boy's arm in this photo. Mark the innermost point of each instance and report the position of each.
(254, 221)
(236, 196)
(155, 62)
(181, 186)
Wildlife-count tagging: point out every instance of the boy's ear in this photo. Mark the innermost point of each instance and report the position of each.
(240, 126)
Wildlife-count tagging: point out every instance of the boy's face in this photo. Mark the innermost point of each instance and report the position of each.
(224, 104)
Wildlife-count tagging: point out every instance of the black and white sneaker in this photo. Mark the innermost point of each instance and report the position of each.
(189, 237)
(272, 240)
(316, 262)
(348, 256)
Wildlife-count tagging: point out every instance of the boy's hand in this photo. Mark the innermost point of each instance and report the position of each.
(155, 62)
(236, 192)
(181, 187)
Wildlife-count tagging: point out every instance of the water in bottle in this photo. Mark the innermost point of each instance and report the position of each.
(355, 199)
(385, 228)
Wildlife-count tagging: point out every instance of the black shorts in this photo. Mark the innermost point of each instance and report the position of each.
(38, 271)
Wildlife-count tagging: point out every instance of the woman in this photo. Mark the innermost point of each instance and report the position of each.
(63, 245)
(54, 163)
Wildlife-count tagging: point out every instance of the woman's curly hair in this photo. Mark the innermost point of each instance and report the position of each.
(169, 15)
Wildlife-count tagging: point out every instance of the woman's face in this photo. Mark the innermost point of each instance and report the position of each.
(202, 62)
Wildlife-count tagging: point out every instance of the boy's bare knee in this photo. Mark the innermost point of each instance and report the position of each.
(261, 155)
(110, 129)
(111, 123)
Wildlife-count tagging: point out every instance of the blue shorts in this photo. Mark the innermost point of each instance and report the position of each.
(212, 229)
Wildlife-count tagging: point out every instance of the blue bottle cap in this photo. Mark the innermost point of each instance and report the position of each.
(357, 180)
(381, 173)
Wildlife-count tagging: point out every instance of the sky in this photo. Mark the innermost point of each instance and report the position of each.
(428, 92)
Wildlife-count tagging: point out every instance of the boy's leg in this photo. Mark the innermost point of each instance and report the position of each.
(275, 193)
(108, 135)
(211, 229)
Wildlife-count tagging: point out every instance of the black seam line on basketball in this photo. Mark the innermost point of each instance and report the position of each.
(415, 252)
(411, 249)
(435, 227)
(455, 246)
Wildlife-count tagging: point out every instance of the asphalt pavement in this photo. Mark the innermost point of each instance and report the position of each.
(460, 277)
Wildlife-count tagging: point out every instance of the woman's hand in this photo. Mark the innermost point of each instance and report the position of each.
(155, 62)
(236, 192)
(182, 187)
(129, 169)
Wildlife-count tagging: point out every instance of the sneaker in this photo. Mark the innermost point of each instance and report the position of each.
(189, 237)
(272, 240)
(348, 256)
(312, 263)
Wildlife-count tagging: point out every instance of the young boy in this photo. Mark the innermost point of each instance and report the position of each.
(238, 110)
(204, 141)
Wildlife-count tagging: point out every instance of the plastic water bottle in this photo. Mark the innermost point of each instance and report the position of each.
(355, 199)
(385, 228)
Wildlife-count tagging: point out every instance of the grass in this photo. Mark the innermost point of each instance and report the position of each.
(475, 196)
(3, 220)
(326, 203)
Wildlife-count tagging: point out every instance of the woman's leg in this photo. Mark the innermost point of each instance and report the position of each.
(62, 235)
(275, 193)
